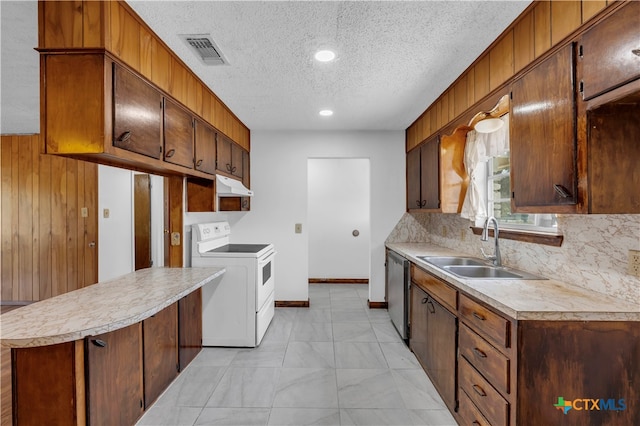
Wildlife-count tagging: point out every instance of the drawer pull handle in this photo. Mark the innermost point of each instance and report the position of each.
(170, 153)
(475, 422)
(199, 163)
(479, 353)
(99, 343)
(479, 390)
(125, 137)
(424, 300)
(478, 316)
(432, 308)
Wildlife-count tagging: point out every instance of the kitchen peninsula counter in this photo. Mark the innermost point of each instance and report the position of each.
(101, 307)
(548, 299)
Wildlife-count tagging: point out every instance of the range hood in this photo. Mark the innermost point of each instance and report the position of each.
(227, 187)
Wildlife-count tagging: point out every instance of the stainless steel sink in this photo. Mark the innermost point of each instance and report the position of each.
(442, 261)
(490, 272)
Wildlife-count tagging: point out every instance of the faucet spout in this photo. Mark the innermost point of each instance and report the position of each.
(496, 258)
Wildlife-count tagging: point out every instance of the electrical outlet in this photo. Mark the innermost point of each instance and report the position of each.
(634, 263)
(84, 212)
(175, 238)
(298, 228)
(105, 213)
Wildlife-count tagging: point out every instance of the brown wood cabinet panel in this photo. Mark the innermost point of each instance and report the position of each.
(481, 78)
(114, 376)
(501, 61)
(160, 65)
(566, 16)
(523, 42)
(61, 24)
(124, 35)
(94, 20)
(223, 154)
(146, 53)
(44, 380)
(430, 173)
(160, 338)
(236, 160)
(490, 403)
(178, 86)
(437, 288)
(471, 86)
(542, 134)
(200, 195)
(542, 23)
(137, 116)
(614, 158)
(591, 7)
(441, 347)
(494, 366)
(460, 96)
(205, 148)
(414, 196)
(411, 137)
(190, 327)
(178, 134)
(469, 412)
(418, 337)
(608, 58)
(595, 359)
(173, 197)
(486, 322)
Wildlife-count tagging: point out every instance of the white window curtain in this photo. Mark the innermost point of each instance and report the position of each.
(478, 149)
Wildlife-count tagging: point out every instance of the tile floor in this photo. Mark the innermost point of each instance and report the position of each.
(335, 363)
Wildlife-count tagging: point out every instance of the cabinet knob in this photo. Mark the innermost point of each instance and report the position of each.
(98, 342)
(124, 137)
(169, 153)
(199, 163)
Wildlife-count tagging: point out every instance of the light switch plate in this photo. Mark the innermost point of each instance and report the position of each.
(84, 212)
(105, 213)
(175, 238)
(298, 228)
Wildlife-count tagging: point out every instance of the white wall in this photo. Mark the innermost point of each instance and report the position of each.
(339, 203)
(279, 180)
(115, 234)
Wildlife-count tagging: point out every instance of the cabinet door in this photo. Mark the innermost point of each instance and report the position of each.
(189, 327)
(178, 135)
(160, 333)
(414, 197)
(542, 134)
(441, 351)
(114, 376)
(237, 164)
(223, 153)
(609, 50)
(205, 148)
(137, 114)
(418, 338)
(246, 201)
(430, 174)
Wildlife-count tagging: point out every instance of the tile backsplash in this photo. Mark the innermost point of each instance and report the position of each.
(593, 255)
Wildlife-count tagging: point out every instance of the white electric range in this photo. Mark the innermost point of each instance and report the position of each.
(238, 310)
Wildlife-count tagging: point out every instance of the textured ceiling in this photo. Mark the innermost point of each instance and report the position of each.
(394, 58)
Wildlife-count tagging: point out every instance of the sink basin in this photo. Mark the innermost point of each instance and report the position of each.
(489, 272)
(452, 260)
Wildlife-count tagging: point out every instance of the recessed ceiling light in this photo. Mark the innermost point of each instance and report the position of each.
(326, 113)
(324, 55)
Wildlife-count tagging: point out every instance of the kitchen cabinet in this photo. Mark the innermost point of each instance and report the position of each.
(178, 134)
(205, 148)
(137, 114)
(229, 157)
(609, 52)
(433, 334)
(160, 332)
(190, 327)
(114, 376)
(543, 136)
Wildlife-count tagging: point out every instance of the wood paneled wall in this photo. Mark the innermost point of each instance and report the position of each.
(46, 248)
(540, 27)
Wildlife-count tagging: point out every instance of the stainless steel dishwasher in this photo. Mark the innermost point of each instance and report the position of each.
(397, 276)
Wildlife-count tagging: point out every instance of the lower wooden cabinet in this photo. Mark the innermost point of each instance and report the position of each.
(160, 352)
(114, 386)
(190, 327)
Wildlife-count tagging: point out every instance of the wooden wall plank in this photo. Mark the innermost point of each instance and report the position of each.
(93, 13)
(62, 24)
(45, 246)
(80, 264)
(481, 76)
(6, 260)
(71, 225)
(91, 225)
(523, 42)
(125, 36)
(25, 219)
(566, 16)
(542, 23)
(501, 61)
(15, 215)
(161, 65)
(591, 7)
(58, 226)
(35, 217)
(146, 53)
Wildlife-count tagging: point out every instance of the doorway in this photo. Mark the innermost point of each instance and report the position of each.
(339, 219)
(149, 217)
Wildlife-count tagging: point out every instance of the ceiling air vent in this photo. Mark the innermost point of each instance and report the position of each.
(205, 49)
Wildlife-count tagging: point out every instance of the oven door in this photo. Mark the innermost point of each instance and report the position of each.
(265, 279)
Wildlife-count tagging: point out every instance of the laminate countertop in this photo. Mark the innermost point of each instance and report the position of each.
(101, 307)
(548, 299)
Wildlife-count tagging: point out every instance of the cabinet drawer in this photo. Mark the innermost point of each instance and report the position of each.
(485, 321)
(490, 403)
(436, 287)
(470, 413)
(485, 358)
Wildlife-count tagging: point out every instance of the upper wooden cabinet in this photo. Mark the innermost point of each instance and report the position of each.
(543, 136)
(205, 148)
(610, 51)
(229, 157)
(137, 114)
(178, 134)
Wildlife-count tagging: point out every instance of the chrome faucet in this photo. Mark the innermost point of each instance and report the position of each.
(496, 259)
